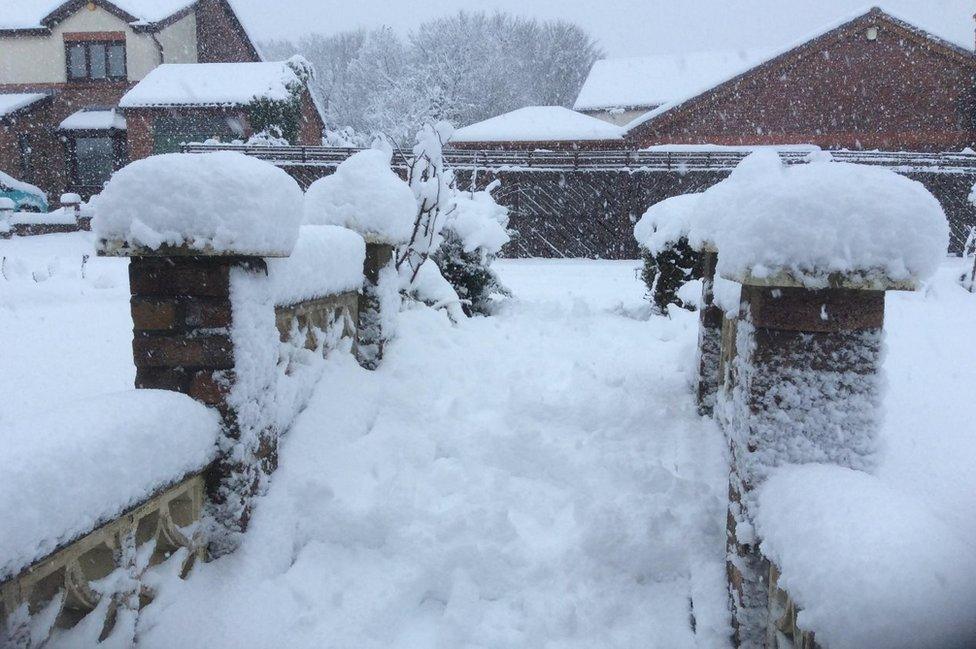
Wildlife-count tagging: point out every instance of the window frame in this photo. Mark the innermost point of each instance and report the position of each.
(87, 44)
(119, 156)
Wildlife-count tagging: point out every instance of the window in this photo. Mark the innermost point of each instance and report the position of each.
(94, 160)
(96, 60)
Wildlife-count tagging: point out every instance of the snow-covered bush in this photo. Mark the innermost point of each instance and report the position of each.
(279, 118)
(670, 260)
(474, 234)
(211, 202)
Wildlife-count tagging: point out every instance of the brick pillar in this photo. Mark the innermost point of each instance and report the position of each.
(182, 318)
(709, 337)
(803, 386)
(372, 338)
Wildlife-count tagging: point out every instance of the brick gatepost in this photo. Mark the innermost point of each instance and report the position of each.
(182, 316)
(372, 338)
(801, 385)
(710, 320)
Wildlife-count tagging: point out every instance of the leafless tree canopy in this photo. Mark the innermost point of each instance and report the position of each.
(462, 68)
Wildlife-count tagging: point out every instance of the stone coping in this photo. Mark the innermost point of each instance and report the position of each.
(118, 248)
(860, 282)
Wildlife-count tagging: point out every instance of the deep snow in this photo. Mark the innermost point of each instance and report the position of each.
(538, 479)
(502, 483)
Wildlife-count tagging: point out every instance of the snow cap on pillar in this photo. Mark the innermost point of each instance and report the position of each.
(365, 195)
(823, 224)
(212, 204)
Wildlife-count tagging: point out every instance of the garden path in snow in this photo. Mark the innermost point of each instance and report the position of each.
(535, 479)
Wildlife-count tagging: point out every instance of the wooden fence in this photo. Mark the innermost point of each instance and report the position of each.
(584, 203)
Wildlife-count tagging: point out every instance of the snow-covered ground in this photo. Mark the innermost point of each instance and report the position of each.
(537, 479)
(65, 328)
(534, 479)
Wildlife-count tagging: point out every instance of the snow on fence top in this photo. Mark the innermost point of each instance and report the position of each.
(808, 222)
(868, 565)
(327, 260)
(216, 203)
(666, 222)
(539, 124)
(365, 195)
(649, 81)
(11, 102)
(69, 470)
(212, 84)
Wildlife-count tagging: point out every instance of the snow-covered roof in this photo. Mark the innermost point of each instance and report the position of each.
(649, 81)
(12, 102)
(94, 119)
(539, 124)
(37, 14)
(731, 74)
(211, 84)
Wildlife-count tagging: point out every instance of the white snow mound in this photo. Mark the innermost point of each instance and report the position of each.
(868, 565)
(220, 202)
(68, 470)
(811, 220)
(327, 260)
(666, 222)
(480, 222)
(365, 195)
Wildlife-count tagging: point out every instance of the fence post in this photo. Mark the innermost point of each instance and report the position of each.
(71, 204)
(372, 329)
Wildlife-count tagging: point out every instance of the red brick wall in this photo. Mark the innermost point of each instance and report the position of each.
(220, 37)
(50, 162)
(47, 151)
(311, 129)
(896, 93)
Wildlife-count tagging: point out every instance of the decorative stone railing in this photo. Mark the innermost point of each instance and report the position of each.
(58, 591)
(782, 631)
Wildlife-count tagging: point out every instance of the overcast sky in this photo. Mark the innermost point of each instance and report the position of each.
(623, 27)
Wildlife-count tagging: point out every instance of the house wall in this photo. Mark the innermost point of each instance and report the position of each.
(32, 63)
(41, 59)
(312, 128)
(47, 150)
(141, 121)
(220, 35)
(843, 91)
(179, 40)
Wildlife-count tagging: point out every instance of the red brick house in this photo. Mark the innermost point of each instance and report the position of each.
(77, 61)
(873, 82)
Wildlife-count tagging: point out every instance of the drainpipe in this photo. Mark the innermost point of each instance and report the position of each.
(152, 35)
